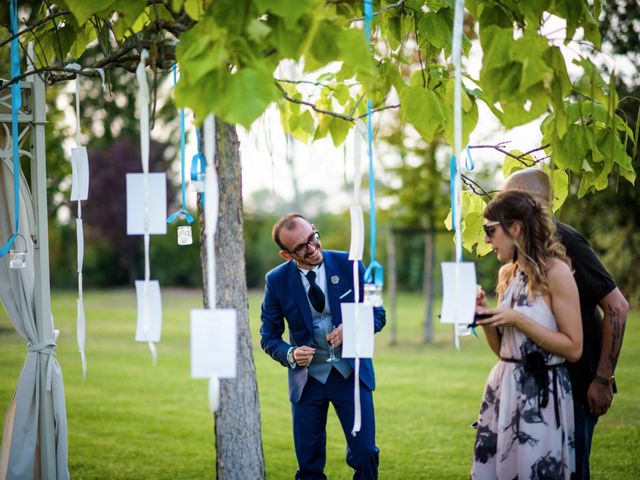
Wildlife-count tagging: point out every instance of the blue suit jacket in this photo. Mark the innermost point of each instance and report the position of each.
(285, 299)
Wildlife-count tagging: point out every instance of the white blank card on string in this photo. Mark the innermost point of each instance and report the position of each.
(157, 187)
(357, 330)
(153, 322)
(213, 343)
(459, 292)
(79, 174)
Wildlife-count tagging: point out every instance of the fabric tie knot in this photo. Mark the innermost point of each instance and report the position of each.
(49, 349)
(316, 296)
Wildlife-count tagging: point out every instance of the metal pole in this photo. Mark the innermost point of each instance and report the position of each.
(42, 288)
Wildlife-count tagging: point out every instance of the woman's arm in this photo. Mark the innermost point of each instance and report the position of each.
(491, 333)
(565, 305)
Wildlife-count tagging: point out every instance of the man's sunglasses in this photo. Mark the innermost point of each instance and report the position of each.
(490, 228)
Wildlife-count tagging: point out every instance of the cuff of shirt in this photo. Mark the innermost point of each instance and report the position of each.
(290, 360)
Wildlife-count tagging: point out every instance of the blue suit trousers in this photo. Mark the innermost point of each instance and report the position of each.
(309, 427)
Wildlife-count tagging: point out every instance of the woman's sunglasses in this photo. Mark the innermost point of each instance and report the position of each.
(490, 228)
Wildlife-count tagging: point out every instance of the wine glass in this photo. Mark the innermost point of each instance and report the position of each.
(328, 328)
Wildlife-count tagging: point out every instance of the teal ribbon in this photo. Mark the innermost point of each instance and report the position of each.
(469, 160)
(16, 103)
(374, 272)
(452, 189)
(198, 158)
(184, 211)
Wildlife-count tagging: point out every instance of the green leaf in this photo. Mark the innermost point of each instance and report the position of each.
(83, 9)
(339, 130)
(289, 10)
(247, 96)
(437, 29)
(421, 108)
(257, 30)
(559, 186)
(194, 8)
(511, 164)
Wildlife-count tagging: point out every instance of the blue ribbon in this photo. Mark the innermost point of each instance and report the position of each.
(375, 271)
(452, 189)
(16, 103)
(184, 211)
(198, 158)
(469, 160)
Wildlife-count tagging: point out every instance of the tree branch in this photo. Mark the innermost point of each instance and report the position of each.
(388, 7)
(500, 147)
(34, 26)
(475, 187)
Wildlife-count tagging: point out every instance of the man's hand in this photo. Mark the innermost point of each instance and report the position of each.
(335, 337)
(599, 398)
(303, 355)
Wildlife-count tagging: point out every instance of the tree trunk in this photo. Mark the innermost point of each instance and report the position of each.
(427, 286)
(239, 454)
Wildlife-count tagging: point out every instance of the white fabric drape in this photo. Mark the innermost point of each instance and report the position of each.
(39, 396)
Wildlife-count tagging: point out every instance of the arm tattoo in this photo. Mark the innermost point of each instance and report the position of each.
(617, 333)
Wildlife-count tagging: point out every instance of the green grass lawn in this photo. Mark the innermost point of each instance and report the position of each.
(131, 420)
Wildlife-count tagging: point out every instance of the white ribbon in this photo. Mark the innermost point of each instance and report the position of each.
(355, 254)
(211, 206)
(143, 98)
(456, 51)
(80, 313)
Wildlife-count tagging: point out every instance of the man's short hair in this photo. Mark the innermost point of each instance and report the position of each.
(533, 181)
(288, 222)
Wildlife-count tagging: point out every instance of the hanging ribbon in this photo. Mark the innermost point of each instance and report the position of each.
(456, 199)
(80, 313)
(16, 103)
(184, 211)
(374, 272)
(143, 96)
(211, 206)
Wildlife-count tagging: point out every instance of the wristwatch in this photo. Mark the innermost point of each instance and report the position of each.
(290, 359)
(605, 380)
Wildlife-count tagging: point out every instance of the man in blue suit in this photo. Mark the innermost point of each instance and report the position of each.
(306, 291)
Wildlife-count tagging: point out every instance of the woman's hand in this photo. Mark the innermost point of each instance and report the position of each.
(481, 300)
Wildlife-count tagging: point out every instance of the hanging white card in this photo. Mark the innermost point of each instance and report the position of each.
(213, 343)
(79, 174)
(459, 292)
(357, 233)
(357, 330)
(157, 204)
(151, 320)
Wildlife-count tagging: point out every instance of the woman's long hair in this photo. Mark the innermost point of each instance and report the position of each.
(537, 244)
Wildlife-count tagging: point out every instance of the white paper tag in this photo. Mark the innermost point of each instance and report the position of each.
(149, 324)
(136, 202)
(213, 343)
(79, 174)
(459, 292)
(357, 330)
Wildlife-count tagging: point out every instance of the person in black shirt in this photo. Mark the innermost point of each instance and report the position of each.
(592, 377)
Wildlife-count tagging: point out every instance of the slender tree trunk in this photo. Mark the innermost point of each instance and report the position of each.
(427, 286)
(239, 454)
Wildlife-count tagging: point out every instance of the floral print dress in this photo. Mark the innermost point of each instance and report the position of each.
(525, 429)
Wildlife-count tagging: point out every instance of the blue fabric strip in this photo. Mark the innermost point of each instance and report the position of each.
(16, 103)
(184, 211)
(452, 189)
(469, 160)
(375, 271)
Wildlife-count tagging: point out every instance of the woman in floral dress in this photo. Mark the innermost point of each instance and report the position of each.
(525, 428)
